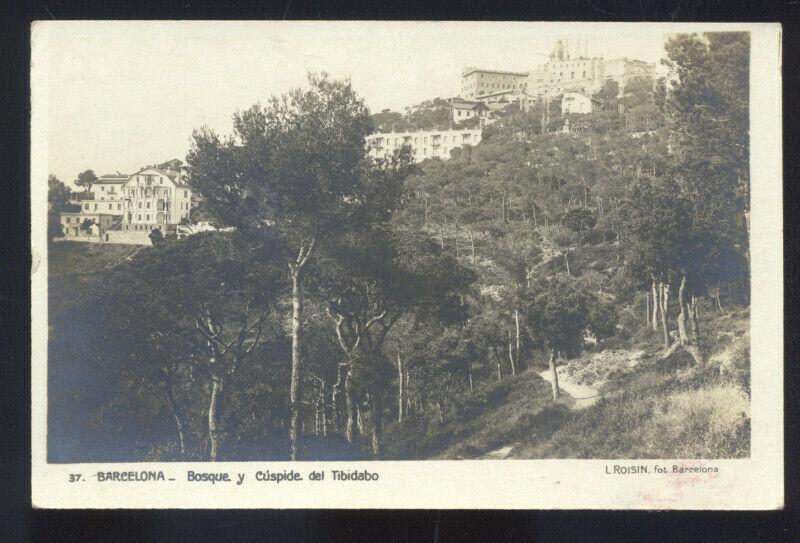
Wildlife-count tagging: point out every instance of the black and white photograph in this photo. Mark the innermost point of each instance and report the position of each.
(322, 243)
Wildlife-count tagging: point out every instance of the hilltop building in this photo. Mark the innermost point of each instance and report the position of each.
(478, 82)
(424, 143)
(126, 208)
(463, 110)
(567, 69)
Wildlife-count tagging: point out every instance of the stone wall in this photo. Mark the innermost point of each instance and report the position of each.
(129, 237)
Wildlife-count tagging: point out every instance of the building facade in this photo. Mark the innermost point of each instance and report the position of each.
(577, 102)
(567, 69)
(477, 82)
(463, 110)
(127, 208)
(423, 143)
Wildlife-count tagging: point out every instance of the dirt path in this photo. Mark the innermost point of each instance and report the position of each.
(578, 396)
(499, 454)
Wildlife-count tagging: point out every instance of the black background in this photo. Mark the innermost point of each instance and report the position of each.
(18, 522)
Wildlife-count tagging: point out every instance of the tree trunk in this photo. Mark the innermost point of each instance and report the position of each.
(441, 410)
(567, 262)
(324, 412)
(472, 244)
(655, 307)
(664, 310)
(554, 375)
(359, 420)
(647, 310)
(217, 384)
(336, 396)
(400, 392)
(377, 424)
(683, 315)
(177, 414)
(350, 407)
(694, 318)
(511, 355)
(516, 321)
(469, 376)
(294, 391)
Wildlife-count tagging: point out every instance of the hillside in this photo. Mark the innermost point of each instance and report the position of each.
(647, 407)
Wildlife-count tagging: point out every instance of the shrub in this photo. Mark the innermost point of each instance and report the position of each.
(736, 368)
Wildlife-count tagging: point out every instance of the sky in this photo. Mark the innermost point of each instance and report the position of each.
(122, 95)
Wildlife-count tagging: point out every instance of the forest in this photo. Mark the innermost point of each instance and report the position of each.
(382, 309)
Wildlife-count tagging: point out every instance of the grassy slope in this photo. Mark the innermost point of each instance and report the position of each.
(659, 409)
(73, 266)
(73, 393)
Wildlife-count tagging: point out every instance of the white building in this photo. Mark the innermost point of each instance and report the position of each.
(127, 208)
(577, 102)
(463, 110)
(477, 82)
(423, 143)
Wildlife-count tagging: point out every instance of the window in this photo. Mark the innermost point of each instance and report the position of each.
(147, 205)
(584, 74)
(69, 220)
(95, 207)
(459, 113)
(138, 216)
(119, 206)
(110, 206)
(147, 217)
(140, 205)
(86, 207)
(186, 194)
(102, 188)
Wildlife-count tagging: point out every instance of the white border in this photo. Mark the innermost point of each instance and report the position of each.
(754, 483)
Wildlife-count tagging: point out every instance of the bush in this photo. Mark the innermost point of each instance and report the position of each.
(737, 368)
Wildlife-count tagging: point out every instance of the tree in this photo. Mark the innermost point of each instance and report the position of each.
(227, 288)
(371, 281)
(57, 192)
(708, 117)
(86, 179)
(193, 309)
(580, 220)
(557, 312)
(156, 236)
(655, 223)
(57, 199)
(295, 169)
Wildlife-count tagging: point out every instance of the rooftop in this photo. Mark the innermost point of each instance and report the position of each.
(501, 72)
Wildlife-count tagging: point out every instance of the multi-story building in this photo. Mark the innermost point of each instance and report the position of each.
(463, 110)
(577, 102)
(423, 143)
(567, 69)
(586, 75)
(155, 198)
(127, 208)
(477, 82)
